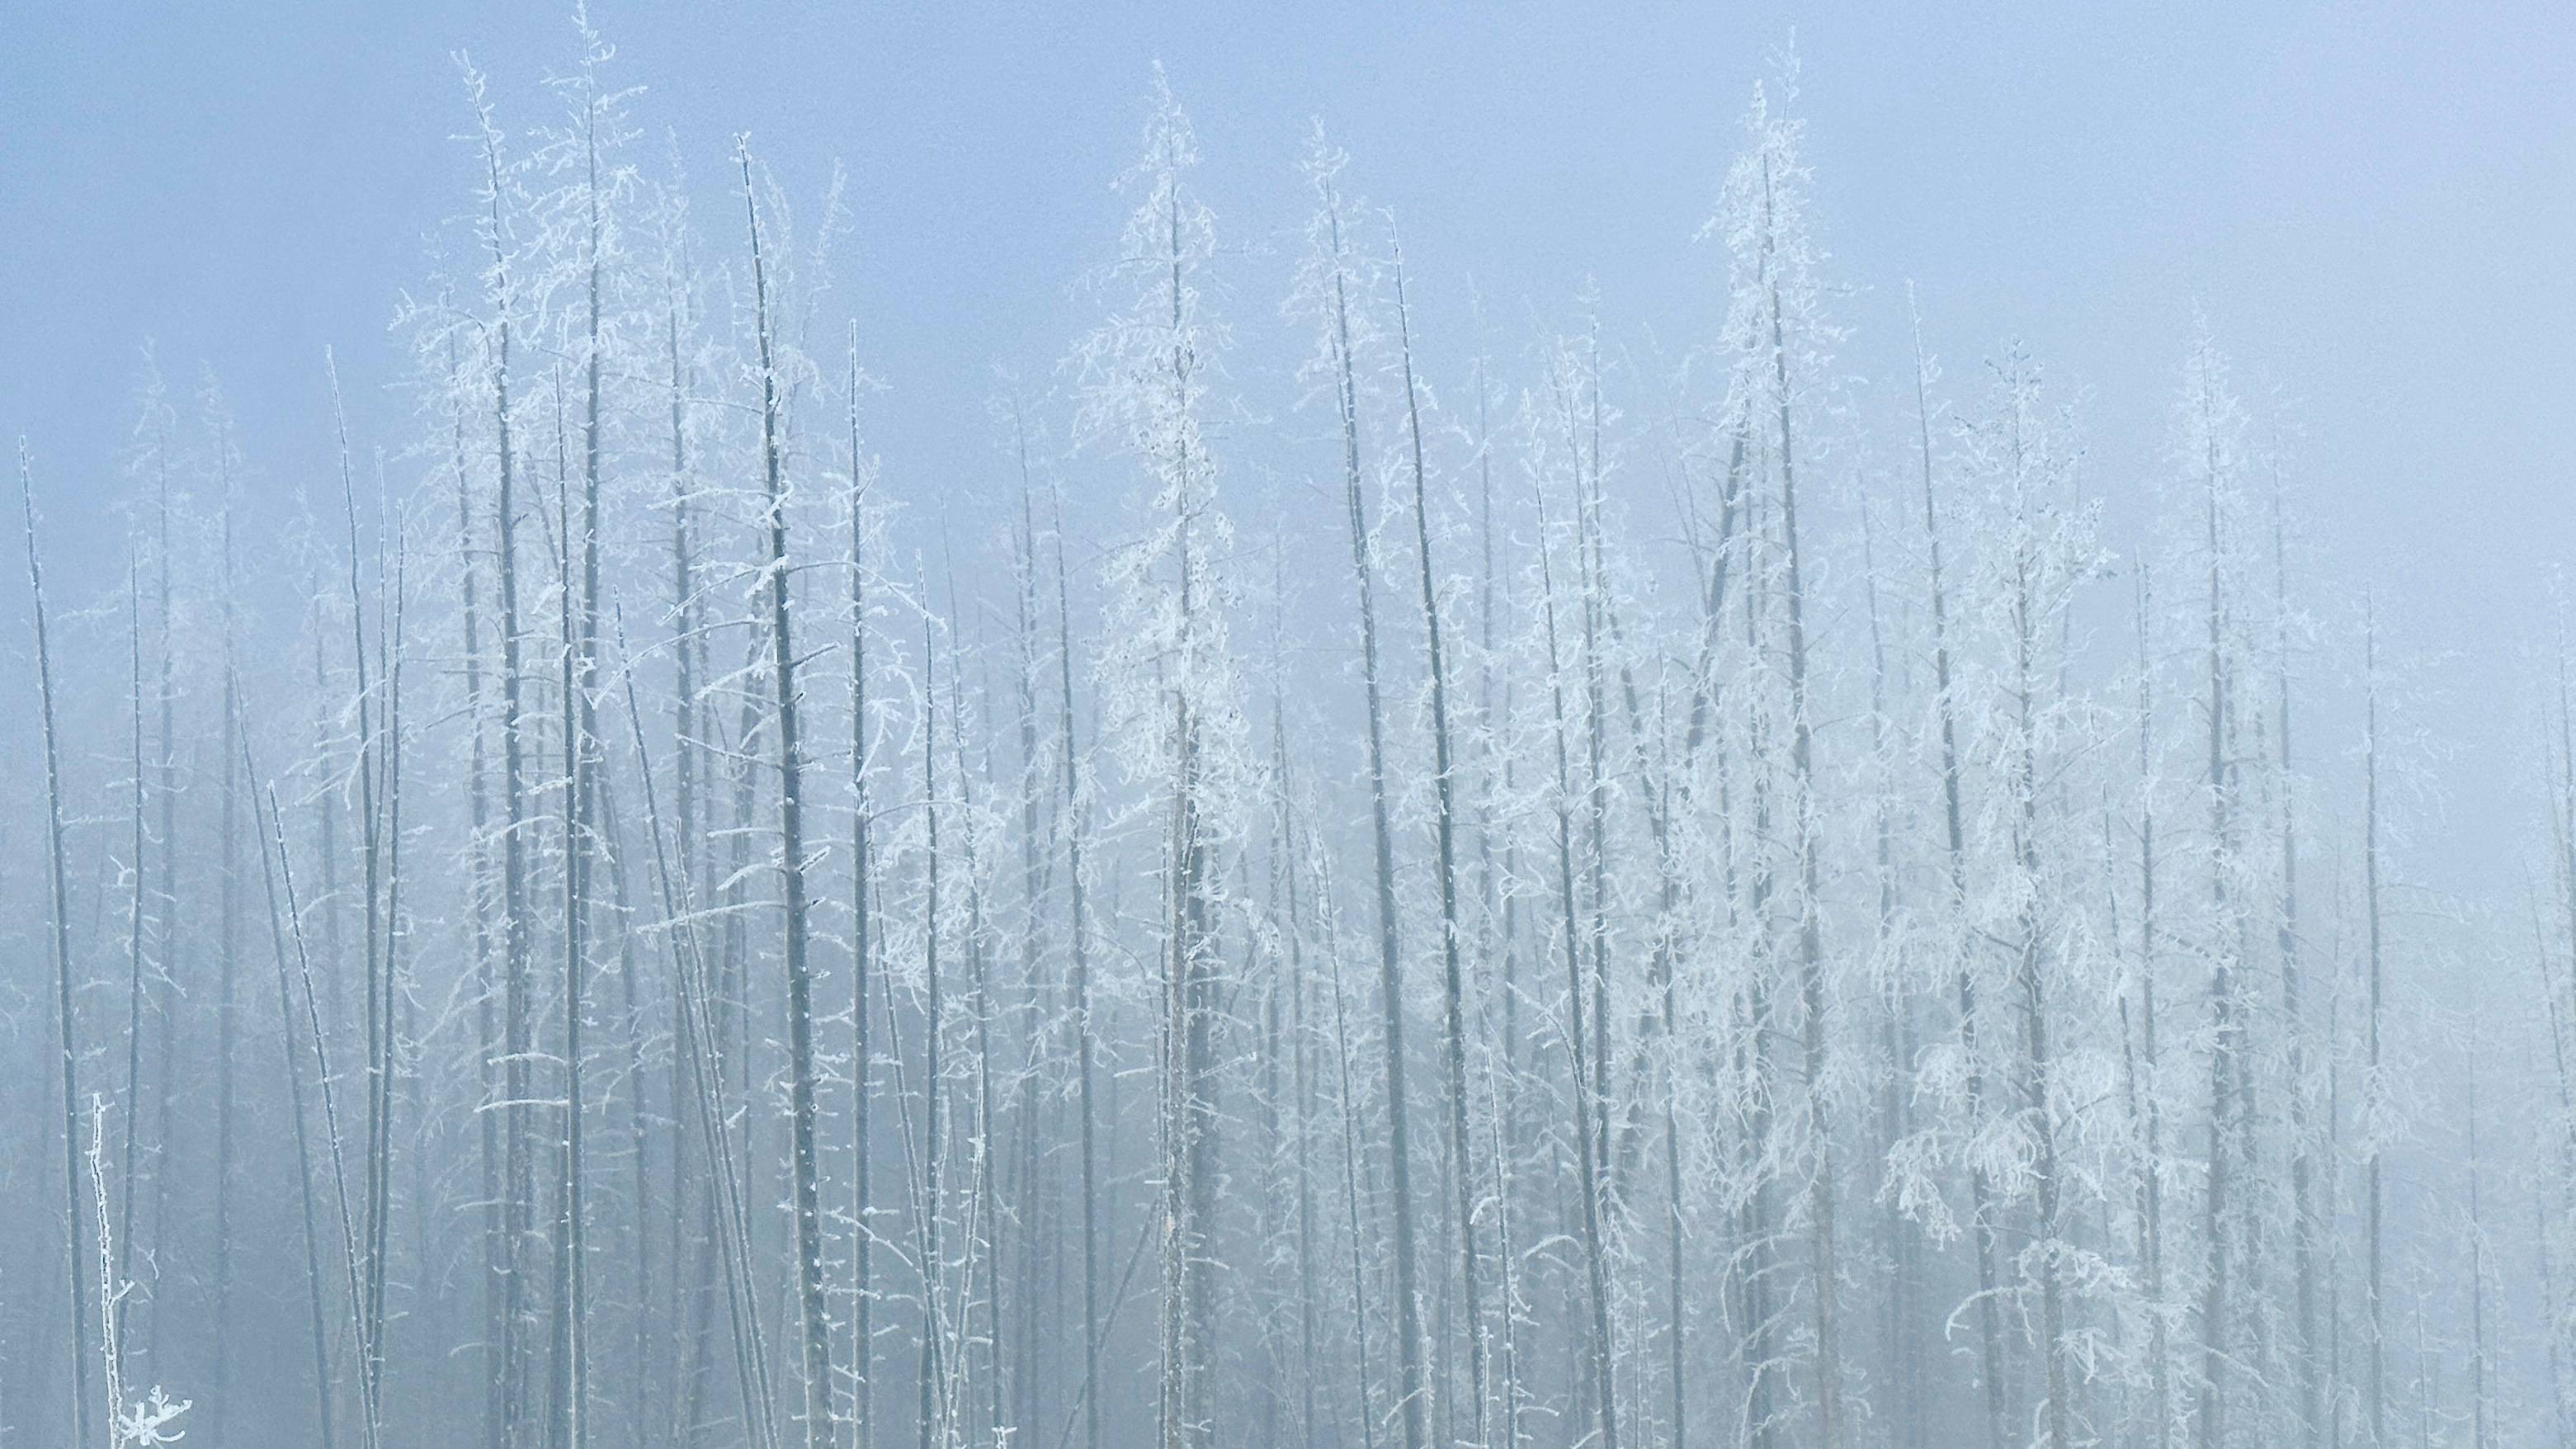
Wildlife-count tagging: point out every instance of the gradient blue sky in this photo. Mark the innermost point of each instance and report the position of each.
(2374, 202)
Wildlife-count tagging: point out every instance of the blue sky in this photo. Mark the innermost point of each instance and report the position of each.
(2374, 202)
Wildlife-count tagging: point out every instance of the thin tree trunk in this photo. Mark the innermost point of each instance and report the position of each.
(60, 922)
(2303, 1210)
(1079, 940)
(227, 956)
(697, 1037)
(2224, 1024)
(1980, 1192)
(570, 1427)
(1452, 985)
(820, 1429)
(518, 1188)
(862, 951)
(2373, 1087)
(350, 1252)
(322, 1381)
(1588, 1170)
(2151, 1160)
(373, 1191)
(1412, 1389)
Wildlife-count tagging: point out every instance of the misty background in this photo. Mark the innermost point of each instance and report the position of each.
(2371, 201)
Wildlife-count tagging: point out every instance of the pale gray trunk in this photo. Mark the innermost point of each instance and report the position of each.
(60, 921)
(816, 1338)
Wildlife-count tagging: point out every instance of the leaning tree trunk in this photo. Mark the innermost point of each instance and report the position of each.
(313, 1276)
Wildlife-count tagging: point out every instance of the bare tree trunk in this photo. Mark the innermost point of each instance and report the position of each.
(1412, 1389)
(165, 787)
(389, 641)
(687, 729)
(2480, 1409)
(2037, 1099)
(351, 1257)
(1079, 939)
(373, 1191)
(2303, 1232)
(2225, 1025)
(322, 1382)
(1811, 955)
(1980, 1191)
(862, 950)
(137, 988)
(2372, 1086)
(1452, 985)
(227, 956)
(1040, 1205)
(60, 921)
(569, 1425)
(2146, 1105)
(820, 1430)
(1588, 1169)
(1353, 1168)
(697, 1038)
(1896, 1034)
(518, 1188)
(1293, 1024)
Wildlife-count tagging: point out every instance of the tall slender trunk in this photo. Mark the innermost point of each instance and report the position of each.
(2481, 1411)
(1896, 1034)
(479, 902)
(59, 920)
(165, 789)
(2147, 1105)
(2303, 1210)
(1953, 813)
(1603, 1387)
(518, 1189)
(2217, 1302)
(581, 634)
(1452, 983)
(373, 1191)
(1412, 1389)
(322, 1380)
(2373, 1087)
(390, 646)
(2037, 1099)
(1354, 1169)
(1040, 1206)
(1285, 872)
(930, 1379)
(862, 950)
(1078, 936)
(351, 1254)
(985, 1225)
(1811, 952)
(687, 728)
(820, 1430)
(138, 987)
(572, 1370)
(697, 1040)
(227, 957)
